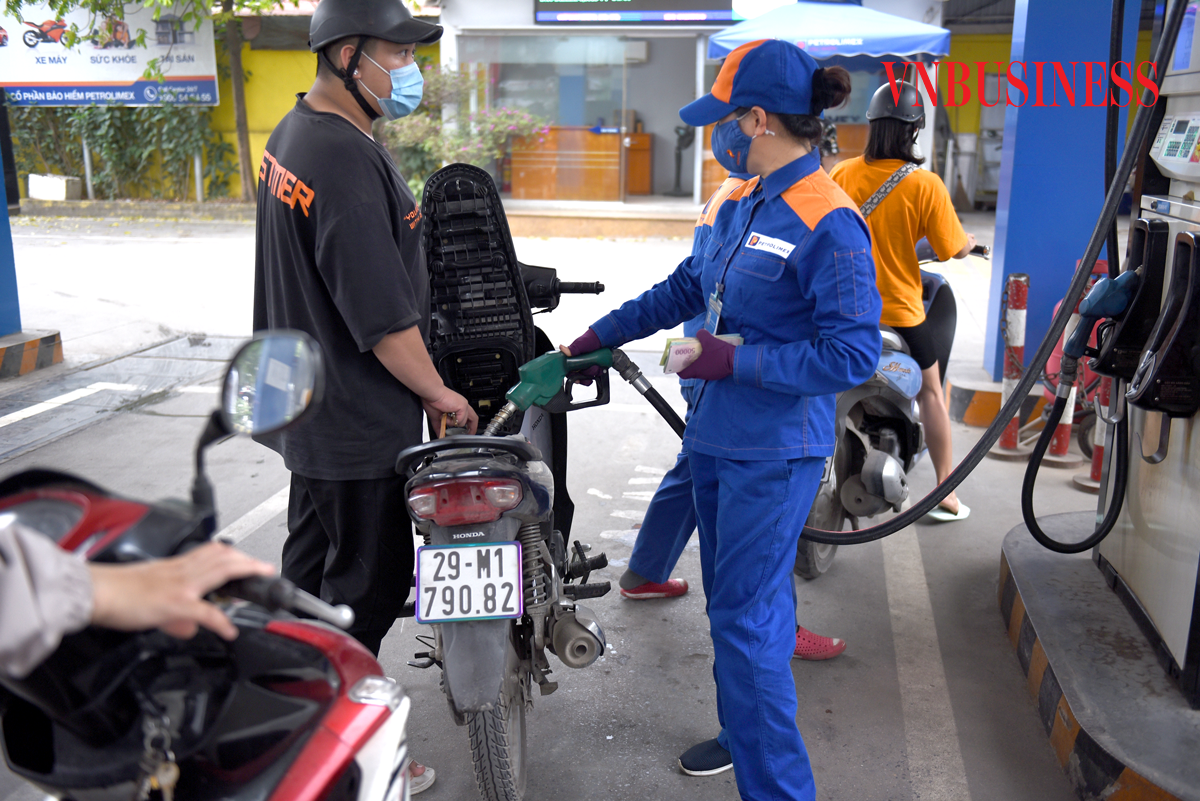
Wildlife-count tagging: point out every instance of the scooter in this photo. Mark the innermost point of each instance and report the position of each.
(51, 30)
(879, 434)
(289, 711)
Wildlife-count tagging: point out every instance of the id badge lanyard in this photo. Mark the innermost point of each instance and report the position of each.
(712, 315)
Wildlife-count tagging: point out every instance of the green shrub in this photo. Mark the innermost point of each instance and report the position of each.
(143, 151)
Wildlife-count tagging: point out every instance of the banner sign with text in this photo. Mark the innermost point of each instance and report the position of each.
(106, 66)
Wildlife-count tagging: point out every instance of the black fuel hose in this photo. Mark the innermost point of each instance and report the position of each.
(630, 372)
(1120, 474)
(1108, 214)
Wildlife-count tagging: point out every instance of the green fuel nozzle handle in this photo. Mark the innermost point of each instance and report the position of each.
(542, 378)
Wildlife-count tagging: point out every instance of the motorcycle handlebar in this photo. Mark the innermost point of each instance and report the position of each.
(278, 593)
(580, 287)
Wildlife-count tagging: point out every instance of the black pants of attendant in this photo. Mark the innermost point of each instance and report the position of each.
(350, 542)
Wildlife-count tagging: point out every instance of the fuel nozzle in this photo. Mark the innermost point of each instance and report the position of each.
(1110, 297)
(542, 382)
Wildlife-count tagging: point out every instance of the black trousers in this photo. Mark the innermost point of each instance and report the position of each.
(350, 542)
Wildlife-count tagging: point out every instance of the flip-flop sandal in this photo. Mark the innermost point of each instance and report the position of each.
(944, 515)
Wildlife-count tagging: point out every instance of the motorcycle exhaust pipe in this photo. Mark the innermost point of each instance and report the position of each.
(576, 638)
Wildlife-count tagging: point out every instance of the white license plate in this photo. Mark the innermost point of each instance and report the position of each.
(469, 582)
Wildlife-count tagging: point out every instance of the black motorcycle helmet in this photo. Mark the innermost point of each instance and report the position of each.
(379, 19)
(382, 19)
(910, 109)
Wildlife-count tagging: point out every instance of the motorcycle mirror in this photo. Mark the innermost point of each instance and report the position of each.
(272, 381)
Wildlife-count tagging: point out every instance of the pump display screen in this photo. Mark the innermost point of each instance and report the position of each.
(591, 12)
(1180, 127)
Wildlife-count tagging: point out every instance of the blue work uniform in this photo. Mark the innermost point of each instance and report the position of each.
(671, 516)
(790, 260)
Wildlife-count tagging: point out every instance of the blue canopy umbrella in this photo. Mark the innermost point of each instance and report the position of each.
(838, 33)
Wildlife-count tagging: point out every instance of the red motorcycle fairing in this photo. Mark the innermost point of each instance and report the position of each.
(82, 517)
(344, 729)
(264, 718)
(98, 519)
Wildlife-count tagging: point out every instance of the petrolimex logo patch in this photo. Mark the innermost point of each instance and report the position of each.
(769, 244)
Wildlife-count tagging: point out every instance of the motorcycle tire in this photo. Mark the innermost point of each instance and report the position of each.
(31, 39)
(827, 514)
(498, 746)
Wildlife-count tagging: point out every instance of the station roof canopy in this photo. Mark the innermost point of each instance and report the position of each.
(838, 33)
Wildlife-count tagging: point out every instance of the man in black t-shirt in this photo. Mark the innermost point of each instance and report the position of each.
(338, 255)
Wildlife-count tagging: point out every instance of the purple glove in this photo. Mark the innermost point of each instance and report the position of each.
(715, 360)
(586, 343)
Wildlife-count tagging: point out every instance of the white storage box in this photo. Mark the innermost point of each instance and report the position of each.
(54, 187)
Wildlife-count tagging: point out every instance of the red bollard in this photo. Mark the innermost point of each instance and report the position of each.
(1017, 291)
(1090, 482)
(1059, 454)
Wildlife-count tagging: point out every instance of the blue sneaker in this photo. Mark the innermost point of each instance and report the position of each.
(706, 759)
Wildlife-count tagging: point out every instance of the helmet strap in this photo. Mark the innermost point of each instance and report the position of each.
(347, 76)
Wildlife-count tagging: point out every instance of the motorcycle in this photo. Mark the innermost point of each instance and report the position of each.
(496, 580)
(878, 428)
(51, 30)
(291, 710)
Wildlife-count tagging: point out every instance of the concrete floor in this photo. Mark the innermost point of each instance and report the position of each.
(927, 702)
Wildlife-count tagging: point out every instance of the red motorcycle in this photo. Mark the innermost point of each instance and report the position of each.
(291, 710)
(51, 30)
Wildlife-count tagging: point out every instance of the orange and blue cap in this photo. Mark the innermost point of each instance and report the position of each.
(772, 74)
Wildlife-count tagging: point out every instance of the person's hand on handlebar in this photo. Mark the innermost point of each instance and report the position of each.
(456, 406)
(169, 593)
(966, 249)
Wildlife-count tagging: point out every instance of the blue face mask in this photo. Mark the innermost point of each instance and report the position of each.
(407, 87)
(731, 146)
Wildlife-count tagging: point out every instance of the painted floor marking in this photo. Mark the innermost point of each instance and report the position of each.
(638, 496)
(61, 400)
(629, 514)
(935, 763)
(658, 471)
(599, 494)
(256, 518)
(654, 481)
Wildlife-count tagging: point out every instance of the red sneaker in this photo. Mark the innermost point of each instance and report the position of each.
(671, 588)
(813, 647)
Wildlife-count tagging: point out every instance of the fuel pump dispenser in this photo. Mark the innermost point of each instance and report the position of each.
(1152, 556)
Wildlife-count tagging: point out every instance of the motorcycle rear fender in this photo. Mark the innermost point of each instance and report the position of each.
(502, 530)
(474, 664)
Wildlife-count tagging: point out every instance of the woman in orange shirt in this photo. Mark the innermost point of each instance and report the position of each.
(917, 206)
